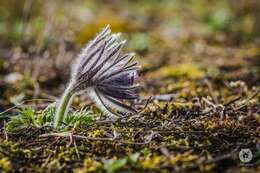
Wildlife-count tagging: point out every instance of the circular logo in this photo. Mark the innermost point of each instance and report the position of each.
(245, 155)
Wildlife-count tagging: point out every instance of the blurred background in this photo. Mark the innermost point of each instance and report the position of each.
(179, 43)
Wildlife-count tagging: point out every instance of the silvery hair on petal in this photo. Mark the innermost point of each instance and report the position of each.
(106, 74)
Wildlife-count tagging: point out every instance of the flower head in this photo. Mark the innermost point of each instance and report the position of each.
(106, 74)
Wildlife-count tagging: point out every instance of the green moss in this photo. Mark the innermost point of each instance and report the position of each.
(188, 70)
(151, 162)
(5, 165)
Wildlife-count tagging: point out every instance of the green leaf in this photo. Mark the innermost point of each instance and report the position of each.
(25, 118)
(146, 152)
(40, 120)
(79, 118)
(49, 113)
(27, 115)
(134, 157)
(114, 165)
(14, 124)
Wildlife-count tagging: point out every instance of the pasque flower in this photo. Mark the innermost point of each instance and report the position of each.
(106, 74)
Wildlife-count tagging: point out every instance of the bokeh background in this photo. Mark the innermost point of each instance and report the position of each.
(39, 39)
(173, 38)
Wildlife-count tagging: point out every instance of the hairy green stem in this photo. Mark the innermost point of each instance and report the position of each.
(63, 106)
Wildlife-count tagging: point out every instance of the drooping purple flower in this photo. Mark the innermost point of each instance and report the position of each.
(106, 74)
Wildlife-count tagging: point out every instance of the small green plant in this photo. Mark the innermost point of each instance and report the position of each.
(28, 118)
(78, 119)
(25, 118)
(115, 165)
